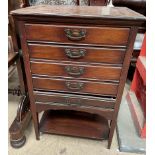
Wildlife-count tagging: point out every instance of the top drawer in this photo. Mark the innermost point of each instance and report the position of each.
(77, 34)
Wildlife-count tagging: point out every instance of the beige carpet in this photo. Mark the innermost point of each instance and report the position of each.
(55, 144)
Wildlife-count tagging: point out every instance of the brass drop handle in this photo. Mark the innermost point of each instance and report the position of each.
(75, 53)
(74, 85)
(74, 70)
(75, 34)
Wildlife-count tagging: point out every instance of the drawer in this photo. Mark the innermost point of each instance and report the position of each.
(99, 72)
(73, 100)
(77, 34)
(78, 86)
(75, 53)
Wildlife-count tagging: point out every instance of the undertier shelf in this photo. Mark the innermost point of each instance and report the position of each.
(74, 123)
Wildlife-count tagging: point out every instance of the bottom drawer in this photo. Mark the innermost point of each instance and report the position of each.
(74, 100)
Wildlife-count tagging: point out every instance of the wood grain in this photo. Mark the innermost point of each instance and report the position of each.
(79, 86)
(57, 69)
(74, 100)
(80, 11)
(74, 124)
(94, 35)
(92, 54)
(106, 113)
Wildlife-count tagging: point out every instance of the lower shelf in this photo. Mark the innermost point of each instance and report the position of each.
(74, 123)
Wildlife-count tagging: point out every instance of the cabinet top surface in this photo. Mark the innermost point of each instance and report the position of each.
(80, 12)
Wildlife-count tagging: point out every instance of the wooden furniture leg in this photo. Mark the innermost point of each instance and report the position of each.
(36, 126)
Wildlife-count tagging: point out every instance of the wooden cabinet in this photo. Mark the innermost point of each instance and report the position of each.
(76, 61)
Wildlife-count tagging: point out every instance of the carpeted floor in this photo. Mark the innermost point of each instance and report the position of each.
(55, 144)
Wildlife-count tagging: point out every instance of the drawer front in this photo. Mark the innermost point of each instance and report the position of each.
(78, 86)
(73, 100)
(99, 72)
(74, 53)
(77, 34)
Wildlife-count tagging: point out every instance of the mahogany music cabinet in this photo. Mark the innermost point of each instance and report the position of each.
(76, 60)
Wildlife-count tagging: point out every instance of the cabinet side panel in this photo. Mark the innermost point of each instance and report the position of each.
(123, 77)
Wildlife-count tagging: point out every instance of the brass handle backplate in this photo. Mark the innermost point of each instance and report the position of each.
(75, 53)
(74, 85)
(74, 70)
(75, 34)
